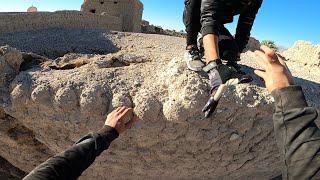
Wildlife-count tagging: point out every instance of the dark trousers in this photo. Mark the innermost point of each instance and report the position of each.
(228, 48)
(191, 20)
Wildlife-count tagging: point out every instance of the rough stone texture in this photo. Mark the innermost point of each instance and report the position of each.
(9, 172)
(18, 22)
(16, 140)
(19, 145)
(253, 44)
(304, 53)
(146, 27)
(130, 11)
(53, 108)
(10, 61)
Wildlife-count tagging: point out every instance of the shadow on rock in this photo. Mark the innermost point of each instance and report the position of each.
(311, 88)
(56, 42)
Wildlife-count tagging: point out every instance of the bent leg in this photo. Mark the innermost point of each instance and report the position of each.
(191, 20)
(228, 48)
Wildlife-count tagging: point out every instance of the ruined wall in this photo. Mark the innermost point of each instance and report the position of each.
(130, 11)
(17, 22)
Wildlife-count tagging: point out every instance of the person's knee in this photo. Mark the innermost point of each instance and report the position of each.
(229, 55)
(228, 50)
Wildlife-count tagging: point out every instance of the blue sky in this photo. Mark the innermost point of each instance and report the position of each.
(283, 21)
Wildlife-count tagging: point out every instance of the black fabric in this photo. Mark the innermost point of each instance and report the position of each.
(245, 23)
(191, 20)
(219, 77)
(223, 73)
(292, 94)
(228, 47)
(226, 73)
(70, 164)
(296, 133)
(215, 13)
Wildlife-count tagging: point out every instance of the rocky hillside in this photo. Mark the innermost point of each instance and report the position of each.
(53, 91)
(304, 54)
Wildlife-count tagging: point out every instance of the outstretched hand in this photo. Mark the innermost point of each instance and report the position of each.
(121, 119)
(220, 78)
(276, 74)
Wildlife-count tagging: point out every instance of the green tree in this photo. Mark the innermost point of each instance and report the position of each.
(270, 44)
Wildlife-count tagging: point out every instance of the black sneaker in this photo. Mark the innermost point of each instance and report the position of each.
(193, 60)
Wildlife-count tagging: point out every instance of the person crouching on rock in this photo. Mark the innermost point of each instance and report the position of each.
(219, 14)
(191, 19)
(220, 45)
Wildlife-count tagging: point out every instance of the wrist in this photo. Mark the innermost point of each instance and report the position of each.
(213, 64)
(108, 132)
(289, 97)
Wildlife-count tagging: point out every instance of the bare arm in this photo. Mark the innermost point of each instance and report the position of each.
(211, 12)
(210, 43)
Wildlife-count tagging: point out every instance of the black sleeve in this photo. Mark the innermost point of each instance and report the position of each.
(70, 164)
(211, 13)
(245, 24)
(297, 135)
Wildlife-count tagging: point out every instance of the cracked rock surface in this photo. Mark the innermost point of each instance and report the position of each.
(45, 108)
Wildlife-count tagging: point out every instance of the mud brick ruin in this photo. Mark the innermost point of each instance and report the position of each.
(119, 15)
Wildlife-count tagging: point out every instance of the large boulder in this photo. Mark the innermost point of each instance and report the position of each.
(10, 61)
(18, 143)
(171, 140)
(253, 44)
(53, 106)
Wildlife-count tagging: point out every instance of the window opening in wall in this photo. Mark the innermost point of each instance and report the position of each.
(115, 2)
(93, 11)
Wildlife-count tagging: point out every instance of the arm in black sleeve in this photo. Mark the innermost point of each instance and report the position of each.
(297, 135)
(71, 163)
(245, 24)
(211, 14)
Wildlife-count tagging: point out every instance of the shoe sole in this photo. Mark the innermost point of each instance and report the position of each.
(191, 68)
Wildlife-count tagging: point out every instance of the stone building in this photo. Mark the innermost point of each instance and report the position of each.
(19, 22)
(32, 9)
(117, 15)
(130, 11)
(146, 27)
